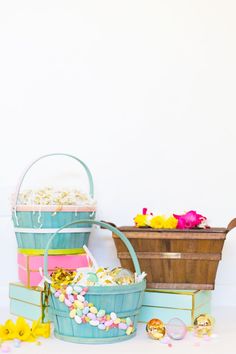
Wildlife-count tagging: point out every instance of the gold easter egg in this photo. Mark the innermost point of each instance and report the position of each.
(203, 325)
(155, 329)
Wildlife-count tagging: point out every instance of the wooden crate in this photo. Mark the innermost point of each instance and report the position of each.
(175, 259)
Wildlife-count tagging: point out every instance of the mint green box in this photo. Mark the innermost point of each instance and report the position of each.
(167, 304)
(28, 302)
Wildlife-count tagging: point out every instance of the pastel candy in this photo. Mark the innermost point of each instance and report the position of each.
(92, 316)
(85, 290)
(85, 310)
(122, 325)
(85, 303)
(101, 326)
(94, 322)
(69, 290)
(82, 293)
(80, 305)
(71, 298)
(129, 331)
(79, 312)
(80, 298)
(108, 323)
(128, 321)
(57, 294)
(117, 321)
(101, 313)
(113, 316)
(62, 297)
(93, 309)
(77, 288)
(90, 304)
(78, 319)
(73, 313)
(68, 303)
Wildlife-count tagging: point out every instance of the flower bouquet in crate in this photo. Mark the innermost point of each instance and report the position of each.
(176, 252)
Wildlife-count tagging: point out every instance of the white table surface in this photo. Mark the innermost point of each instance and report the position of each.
(223, 341)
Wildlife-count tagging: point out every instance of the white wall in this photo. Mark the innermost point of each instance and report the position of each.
(143, 91)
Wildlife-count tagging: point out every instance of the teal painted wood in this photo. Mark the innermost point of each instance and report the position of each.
(184, 304)
(33, 219)
(125, 301)
(167, 300)
(28, 311)
(27, 302)
(47, 221)
(19, 292)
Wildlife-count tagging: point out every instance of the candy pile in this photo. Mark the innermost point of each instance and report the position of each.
(74, 297)
(52, 196)
(105, 277)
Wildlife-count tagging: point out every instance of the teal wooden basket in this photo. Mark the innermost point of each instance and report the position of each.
(35, 224)
(124, 300)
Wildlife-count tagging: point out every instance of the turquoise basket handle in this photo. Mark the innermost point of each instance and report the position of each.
(89, 175)
(105, 226)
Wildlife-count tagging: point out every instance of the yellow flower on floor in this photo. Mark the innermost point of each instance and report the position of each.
(8, 331)
(170, 223)
(158, 222)
(23, 331)
(40, 329)
(141, 220)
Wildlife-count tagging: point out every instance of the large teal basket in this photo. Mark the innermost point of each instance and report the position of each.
(35, 224)
(124, 300)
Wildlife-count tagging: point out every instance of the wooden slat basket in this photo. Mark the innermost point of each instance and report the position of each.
(124, 300)
(175, 259)
(34, 224)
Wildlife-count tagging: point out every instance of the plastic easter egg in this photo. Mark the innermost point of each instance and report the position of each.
(176, 329)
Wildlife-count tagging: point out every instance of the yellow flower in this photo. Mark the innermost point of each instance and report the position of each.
(170, 223)
(157, 222)
(141, 220)
(40, 329)
(8, 331)
(23, 331)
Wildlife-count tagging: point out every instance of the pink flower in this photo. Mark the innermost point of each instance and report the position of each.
(189, 220)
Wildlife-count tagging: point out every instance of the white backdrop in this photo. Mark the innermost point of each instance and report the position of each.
(143, 91)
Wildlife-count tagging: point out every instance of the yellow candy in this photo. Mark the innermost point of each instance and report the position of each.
(62, 297)
(87, 319)
(90, 304)
(93, 310)
(117, 321)
(108, 317)
(129, 330)
(76, 303)
(79, 305)
(73, 313)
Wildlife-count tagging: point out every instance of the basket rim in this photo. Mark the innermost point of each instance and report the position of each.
(55, 208)
(117, 289)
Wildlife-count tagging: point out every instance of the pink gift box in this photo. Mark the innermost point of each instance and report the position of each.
(28, 266)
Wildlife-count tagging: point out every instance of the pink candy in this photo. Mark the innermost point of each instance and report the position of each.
(92, 316)
(108, 323)
(68, 303)
(122, 325)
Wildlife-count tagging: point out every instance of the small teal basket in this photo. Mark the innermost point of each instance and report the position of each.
(124, 300)
(35, 224)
